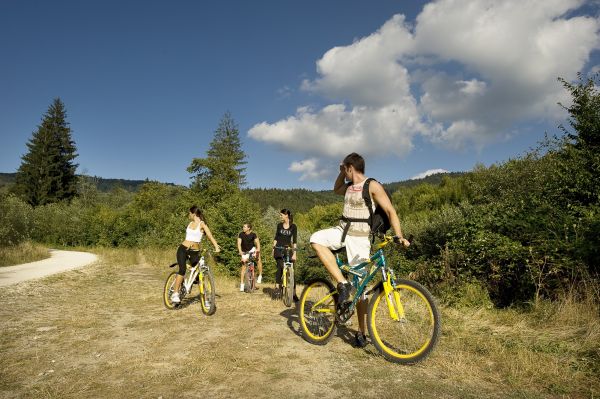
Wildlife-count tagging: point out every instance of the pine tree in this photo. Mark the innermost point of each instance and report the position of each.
(47, 171)
(221, 173)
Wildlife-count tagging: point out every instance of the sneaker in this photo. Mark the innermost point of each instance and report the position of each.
(242, 287)
(175, 297)
(259, 279)
(345, 293)
(360, 340)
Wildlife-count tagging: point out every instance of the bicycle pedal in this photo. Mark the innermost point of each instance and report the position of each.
(343, 313)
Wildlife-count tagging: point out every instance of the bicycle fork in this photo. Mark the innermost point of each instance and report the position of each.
(392, 298)
(284, 276)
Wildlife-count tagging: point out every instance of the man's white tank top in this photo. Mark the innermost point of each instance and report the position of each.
(356, 208)
(194, 235)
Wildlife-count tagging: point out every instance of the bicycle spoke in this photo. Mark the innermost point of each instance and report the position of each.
(317, 312)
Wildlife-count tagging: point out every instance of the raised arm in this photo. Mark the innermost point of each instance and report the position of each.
(340, 185)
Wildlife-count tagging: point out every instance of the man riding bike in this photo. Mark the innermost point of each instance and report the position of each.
(248, 241)
(354, 236)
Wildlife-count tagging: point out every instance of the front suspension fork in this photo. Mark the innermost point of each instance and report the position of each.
(392, 298)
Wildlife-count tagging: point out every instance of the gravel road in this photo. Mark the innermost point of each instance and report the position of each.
(58, 262)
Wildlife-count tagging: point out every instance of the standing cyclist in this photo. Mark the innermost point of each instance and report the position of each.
(350, 183)
(247, 242)
(286, 235)
(190, 247)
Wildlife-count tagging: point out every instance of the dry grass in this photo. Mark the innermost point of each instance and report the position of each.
(102, 331)
(23, 253)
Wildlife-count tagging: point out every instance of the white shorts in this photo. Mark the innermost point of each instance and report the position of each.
(358, 249)
(246, 256)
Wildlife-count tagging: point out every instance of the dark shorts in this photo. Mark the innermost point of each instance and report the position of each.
(183, 254)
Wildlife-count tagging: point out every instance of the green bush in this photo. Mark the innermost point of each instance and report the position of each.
(15, 221)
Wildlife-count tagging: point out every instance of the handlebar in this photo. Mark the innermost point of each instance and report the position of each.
(387, 239)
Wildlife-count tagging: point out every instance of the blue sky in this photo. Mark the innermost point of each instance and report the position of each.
(413, 86)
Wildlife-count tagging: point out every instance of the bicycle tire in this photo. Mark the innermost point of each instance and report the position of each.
(207, 293)
(248, 280)
(316, 311)
(411, 338)
(288, 290)
(168, 290)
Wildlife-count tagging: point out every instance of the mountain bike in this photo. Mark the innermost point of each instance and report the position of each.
(250, 276)
(402, 317)
(200, 274)
(287, 277)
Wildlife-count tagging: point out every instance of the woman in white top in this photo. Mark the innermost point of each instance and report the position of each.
(190, 247)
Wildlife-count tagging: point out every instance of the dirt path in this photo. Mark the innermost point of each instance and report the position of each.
(58, 262)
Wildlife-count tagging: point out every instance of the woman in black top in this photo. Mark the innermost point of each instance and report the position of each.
(286, 235)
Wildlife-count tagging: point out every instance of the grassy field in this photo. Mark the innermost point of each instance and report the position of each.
(102, 331)
(22, 253)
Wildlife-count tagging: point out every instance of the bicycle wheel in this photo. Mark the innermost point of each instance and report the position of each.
(414, 335)
(207, 292)
(248, 280)
(317, 311)
(168, 290)
(288, 289)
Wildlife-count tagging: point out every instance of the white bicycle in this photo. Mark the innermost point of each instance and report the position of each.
(200, 274)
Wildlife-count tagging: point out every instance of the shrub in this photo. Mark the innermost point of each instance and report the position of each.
(15, 221)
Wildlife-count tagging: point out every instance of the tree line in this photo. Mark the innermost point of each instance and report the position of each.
(520, 230)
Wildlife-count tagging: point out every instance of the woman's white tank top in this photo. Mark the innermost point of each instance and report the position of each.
(194, 235)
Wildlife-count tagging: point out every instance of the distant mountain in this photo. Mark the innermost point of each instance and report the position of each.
(434, 180)
(296, 199)
(103, 185)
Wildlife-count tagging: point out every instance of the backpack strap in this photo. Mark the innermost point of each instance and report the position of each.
(347, 226)
(367, 198)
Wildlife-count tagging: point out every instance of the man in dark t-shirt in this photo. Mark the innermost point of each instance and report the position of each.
(248, 242)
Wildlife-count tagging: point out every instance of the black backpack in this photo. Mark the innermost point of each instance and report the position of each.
(378, 220)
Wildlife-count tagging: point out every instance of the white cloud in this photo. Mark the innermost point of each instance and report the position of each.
(310, 169)
(466, 73)
(428, 173)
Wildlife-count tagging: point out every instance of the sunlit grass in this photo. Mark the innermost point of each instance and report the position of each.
(23, 253)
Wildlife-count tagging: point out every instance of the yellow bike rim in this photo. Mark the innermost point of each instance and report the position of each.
(426, 319)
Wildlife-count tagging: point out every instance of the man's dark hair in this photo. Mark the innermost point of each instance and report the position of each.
(356, 161)
(249, 225)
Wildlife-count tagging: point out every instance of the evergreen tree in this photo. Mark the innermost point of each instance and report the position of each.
(584, 112)
(221, 173)
(47, 171)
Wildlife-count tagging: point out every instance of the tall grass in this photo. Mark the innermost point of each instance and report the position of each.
(24, 252)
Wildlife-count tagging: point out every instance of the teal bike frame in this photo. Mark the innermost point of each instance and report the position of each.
(361, 278)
